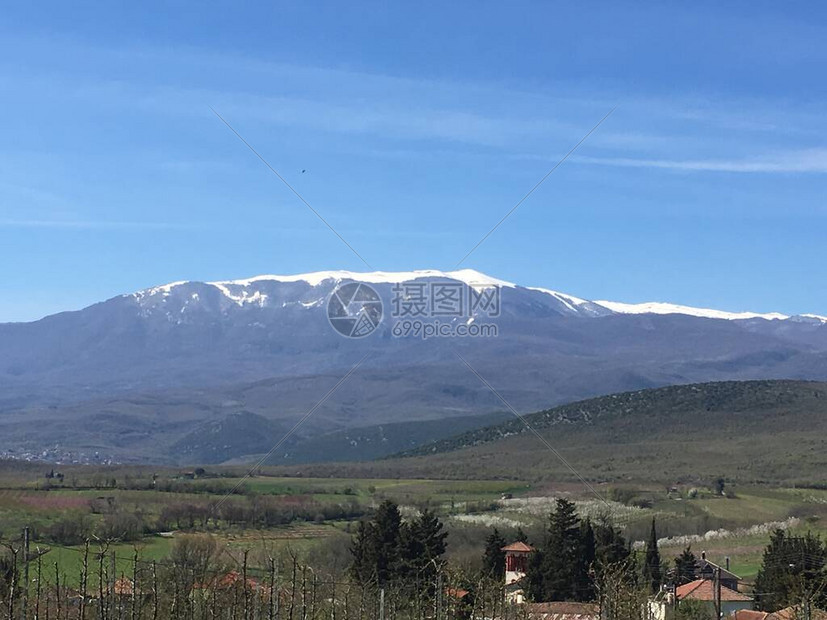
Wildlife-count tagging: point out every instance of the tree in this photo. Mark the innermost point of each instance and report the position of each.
(493, 560)
(562, 570)
(364, 565)
(582, 583)
(521, 536)
(386, 550)
(685, 565)
(690, 609)
(195, 558)
(7, 575)
(620, 592)
(652, 568)
(386, 538)
(535, 579)
(792, 572)
(559, 571)
(610, 546)
(422, 547)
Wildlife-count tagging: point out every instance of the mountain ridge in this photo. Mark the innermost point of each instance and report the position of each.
(136, 373)
(474, 278)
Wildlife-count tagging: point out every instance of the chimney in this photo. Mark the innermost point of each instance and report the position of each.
(703, 555)
(727, 562)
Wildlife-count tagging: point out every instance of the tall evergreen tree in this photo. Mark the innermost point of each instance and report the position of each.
(387, 550)
(793, 571)
(652, 568)
(423, 545)
(521, 536)
(685, 565)
(610, 545)
(377, 546)
(562, 569)
(583, 583)
(493, 560)
(363, 568)
(387, 535)
(535, 582)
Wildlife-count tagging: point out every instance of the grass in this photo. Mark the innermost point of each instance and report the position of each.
(22, 503)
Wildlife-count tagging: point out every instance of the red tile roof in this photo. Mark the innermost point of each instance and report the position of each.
(748, 614)
(124, 587)
(704, 590)
(228, 580)
(518, 546)
(790, 613)
(563, 610)
(456, 592)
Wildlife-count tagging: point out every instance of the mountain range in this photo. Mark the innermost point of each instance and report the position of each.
(185, 371)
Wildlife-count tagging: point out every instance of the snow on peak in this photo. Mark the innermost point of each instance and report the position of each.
(810, 318)
(654, 307)
(469, 276)
(570, 301)
(241, 293)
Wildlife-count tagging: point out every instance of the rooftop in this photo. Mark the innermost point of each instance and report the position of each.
(704, 590)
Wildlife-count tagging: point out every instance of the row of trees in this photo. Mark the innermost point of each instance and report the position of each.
(255, 512)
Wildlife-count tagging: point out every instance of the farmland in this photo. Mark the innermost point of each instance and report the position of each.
(144, 510)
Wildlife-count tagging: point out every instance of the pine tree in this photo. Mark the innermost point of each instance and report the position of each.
(521, 536)
(685, 565)
(652, 569)
(583, 583)
(535, 579)
(610, 545)
(493, 559)
(385, 550)
(363, 568)
(376, 549)
(423, 545)
(386, 538)
(793, 571)
(562, 571)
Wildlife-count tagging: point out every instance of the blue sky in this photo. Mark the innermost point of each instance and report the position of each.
(418, 127)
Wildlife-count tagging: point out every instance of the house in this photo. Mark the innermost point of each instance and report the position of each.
(702, 590)
(788, 613)
(516, 566)
(124, 587)
(232, 581)
(704, 569)
(561, 610)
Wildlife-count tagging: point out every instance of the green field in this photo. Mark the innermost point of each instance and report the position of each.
(321, 511)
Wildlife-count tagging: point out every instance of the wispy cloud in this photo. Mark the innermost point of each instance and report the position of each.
(803, 161)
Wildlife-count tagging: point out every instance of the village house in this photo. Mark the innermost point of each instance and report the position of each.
(788, 613)
(516, 566)
(705, 591)
(704, 569)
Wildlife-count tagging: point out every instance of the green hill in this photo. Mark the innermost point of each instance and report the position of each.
(746, 431)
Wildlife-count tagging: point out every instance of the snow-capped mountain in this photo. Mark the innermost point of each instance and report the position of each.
(253, 291)
(138, 372)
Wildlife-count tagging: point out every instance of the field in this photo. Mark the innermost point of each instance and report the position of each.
(145, 510)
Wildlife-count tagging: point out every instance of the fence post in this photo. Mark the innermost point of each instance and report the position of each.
(83, 579)
(25, 600)
(382, 604)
